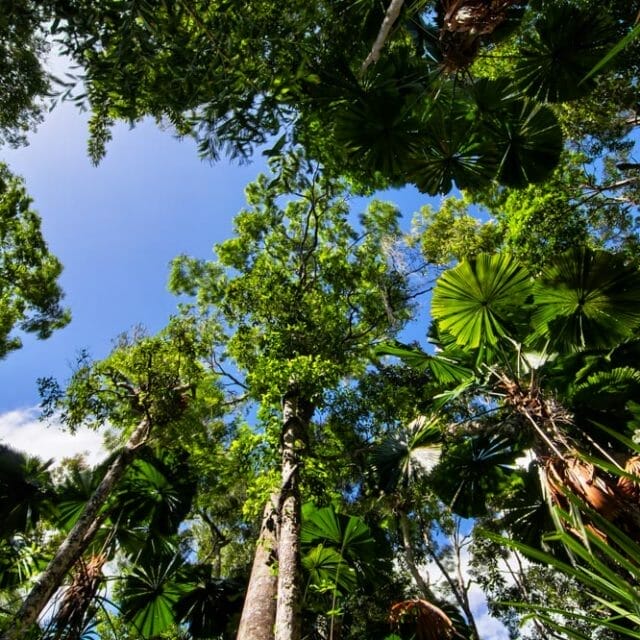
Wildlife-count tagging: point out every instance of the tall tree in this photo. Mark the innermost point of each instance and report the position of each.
(300, 295)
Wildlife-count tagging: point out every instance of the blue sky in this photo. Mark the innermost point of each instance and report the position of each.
(116, 227)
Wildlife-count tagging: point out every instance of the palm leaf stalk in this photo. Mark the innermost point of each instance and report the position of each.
(75, 607)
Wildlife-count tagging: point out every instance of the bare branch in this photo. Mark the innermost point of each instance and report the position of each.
(393, 11)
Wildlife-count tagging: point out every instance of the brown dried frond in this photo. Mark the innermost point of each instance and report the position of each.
(427, 621)
(465, 22)
(572, 475)
(628, 487)
(476, 17)
(70, 617)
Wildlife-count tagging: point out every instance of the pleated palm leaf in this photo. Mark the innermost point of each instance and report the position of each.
(26, 491)
(526, 135)
(529, 142)
(448, 366)
(27, 494)
(140, 518)
(476, 469)
(407, 454)
(583, 299)
(326, 533)
(210, 605)
(566, 42)
(586, 299)
(481, 303)
(452, 149)
(150, 594)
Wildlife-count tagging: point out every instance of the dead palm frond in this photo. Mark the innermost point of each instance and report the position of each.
(426, 620)
(630, 487)
(78, 597)
(465, 22)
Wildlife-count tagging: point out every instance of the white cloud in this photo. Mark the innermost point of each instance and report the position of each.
(21, 430)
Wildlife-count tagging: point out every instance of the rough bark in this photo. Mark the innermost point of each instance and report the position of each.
(259, 611)
(78, 539)
(296, 414)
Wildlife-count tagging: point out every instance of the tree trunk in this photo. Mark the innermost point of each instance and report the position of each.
(77, 540)
(259, 610)
(296, 414)
(409, 558)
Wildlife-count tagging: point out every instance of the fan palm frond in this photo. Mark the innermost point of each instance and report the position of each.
(481, 300)
(586, 299)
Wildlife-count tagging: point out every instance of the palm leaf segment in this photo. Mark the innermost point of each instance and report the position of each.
(407, 455)
(343, 547)
(566, 42)
(150, 595)
(480, 302)
(586, 299)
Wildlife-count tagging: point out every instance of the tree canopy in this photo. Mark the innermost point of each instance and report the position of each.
(430, 110)
(31, 295)
(280, 389)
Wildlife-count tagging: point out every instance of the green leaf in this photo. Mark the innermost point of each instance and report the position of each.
(150, 594)
(326, 565)
(407, 454)
(479, 301)
(566, 43)
(529, 142)
(454, 150)
(586, 299)
(617, 48)
(445, 368)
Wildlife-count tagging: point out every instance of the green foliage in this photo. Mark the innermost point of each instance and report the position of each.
(480, 301)
(157, 376)
(29, 291)
(26, 490)
(407, 454)
(23, 81)
(566, 42)
(601, 567)
(450, 233)
(150, 595)
(299, 292)
(586, 298)
(474, 471)
(299, 79)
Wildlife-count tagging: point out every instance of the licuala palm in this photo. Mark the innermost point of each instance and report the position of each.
(518, 326)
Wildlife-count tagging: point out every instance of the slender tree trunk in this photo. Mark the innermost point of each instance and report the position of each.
(296, 414)
(77, 540)
(458, 588)
(259, 610)
(409, 558)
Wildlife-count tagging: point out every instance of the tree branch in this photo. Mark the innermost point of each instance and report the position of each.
(393, 11)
